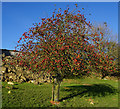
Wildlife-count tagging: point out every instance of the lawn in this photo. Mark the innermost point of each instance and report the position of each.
(87, 92)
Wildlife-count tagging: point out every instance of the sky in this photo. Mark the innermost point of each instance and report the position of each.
(18, 17)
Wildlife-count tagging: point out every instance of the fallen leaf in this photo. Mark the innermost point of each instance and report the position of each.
(11, 83)
(53, 102)
(9, 91)
(66, 88)
(91, 103)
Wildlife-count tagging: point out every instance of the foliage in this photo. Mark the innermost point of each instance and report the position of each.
(63, 45)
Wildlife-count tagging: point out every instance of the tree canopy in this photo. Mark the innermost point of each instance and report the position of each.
(64, 44)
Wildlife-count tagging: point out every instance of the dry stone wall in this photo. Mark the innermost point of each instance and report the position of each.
(20, 74)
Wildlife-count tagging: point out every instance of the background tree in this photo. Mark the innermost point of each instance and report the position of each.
(108, 48)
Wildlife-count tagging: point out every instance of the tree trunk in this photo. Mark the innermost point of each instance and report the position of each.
(55, 90)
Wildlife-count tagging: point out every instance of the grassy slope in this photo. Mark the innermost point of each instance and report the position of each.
(73, 93)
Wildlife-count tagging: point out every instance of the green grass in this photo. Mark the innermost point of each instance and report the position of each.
(73, 93)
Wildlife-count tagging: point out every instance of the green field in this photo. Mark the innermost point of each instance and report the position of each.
(73, 93)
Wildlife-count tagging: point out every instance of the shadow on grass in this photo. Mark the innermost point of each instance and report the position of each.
(100, 90)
